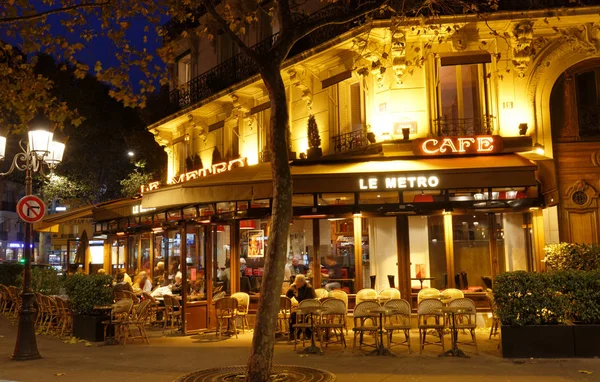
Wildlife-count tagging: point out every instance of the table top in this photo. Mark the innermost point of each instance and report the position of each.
(453, 309)
(103, 307)
(311, 309)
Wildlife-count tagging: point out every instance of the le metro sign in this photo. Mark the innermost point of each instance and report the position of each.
(475, 145)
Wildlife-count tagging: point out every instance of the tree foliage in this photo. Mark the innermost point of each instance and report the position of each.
(137, 178)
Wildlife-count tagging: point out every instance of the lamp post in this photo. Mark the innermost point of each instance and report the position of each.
(38, 150)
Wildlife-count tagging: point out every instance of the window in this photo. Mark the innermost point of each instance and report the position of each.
(462, 87)
(184, 69)
(253, 246)
(588, 102)
(427, 252)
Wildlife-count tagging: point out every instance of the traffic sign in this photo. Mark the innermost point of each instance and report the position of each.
(31, 209)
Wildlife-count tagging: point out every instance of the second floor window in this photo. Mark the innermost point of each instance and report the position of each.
(462, 95)
(184, 69)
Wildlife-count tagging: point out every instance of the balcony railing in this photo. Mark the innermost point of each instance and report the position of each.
(445, 127)
(349, 141)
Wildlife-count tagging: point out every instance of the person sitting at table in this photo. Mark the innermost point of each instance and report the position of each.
(295, 268)
(334, 271)
(300, 290)
(143, 283)
(121, 284)
(177, 287)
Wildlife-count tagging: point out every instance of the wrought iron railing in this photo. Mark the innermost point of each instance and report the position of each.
(589, 121)
(444, 127)
(349, 141)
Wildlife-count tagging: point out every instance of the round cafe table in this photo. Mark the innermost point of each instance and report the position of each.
(110, 332)
(453, 311)
(312, 311)
(381, 349)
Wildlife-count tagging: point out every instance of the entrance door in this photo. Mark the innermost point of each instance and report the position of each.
(196, 291)
(219, 261)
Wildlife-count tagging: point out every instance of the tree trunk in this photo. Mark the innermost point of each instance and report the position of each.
(263, 342)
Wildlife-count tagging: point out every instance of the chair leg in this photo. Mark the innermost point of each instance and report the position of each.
(474, 336)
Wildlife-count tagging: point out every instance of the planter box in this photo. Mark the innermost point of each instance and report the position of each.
(88, 328)
(586, 340)
(538, 341)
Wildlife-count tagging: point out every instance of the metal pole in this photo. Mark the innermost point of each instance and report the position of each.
(26, 346)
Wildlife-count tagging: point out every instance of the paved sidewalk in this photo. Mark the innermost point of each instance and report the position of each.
(168, 357)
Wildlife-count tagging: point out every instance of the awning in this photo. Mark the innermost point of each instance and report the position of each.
(255, 182)
(50, 223)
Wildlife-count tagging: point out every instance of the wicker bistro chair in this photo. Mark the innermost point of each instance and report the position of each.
(399, 320)
(139, 322)
(361, 318)
(429, 318)
(172, 312)
(332, 320)
(131, 296)
(3, 299)
(15, 302)
(494, 329)
(466, 321)
(65, 318)
(39, 306)
(119, 316)
(451, 294)
(243, 300)
(303, 323)
(321, 293)
(427, 293)
(226, 313)
(366, 294)
(389, 294)
(283, 317)
(52, 314)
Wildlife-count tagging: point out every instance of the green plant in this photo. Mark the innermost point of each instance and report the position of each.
(569, 256)
(44, 280)
(314, 140)
(10, 274)
(559, 297)
(85, 291)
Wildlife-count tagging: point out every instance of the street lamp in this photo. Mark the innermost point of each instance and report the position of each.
(40, 149)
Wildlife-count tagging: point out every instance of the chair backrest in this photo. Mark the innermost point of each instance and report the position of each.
(61, 304)
(389, 293)
(334, 306)
(308, 302)
(285, 304)
(122, 307)
(218, 295)
(466, 303)
(321, 293)
(141, 310)
(452, 294)
(340, 295)
(365, 294)
(428, 307)
(119, 295)
(226, 305)
(427, 293)
(168, 300)
(400, 306)
(131, 296)
(361, 309)
(243, 300)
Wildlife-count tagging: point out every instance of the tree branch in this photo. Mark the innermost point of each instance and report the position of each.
(340, 18)
(221, 21)
(17, 19)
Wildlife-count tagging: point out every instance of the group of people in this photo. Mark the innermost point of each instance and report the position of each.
(142, 283)
(330, 277)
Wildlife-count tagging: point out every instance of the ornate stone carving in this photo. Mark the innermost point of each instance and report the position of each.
(580, 195)
(460, 40)
(399, 56)
(586, 36)
(522, 46)
(571, 128)
(297, 82)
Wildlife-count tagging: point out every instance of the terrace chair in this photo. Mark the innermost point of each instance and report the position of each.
(131, 296)
(451, 294)
(65, 318)
(321, 293)
(341, 295)
(494, 329)
(3, 299)
(154, 308)
(399, 320)
(361, 317)
(366, 294)
(389, 294)
(52, 313)
(172, 312)
(426, 313)
(283, 317)
(118, 295)
(39, 304)
(15, 302)
(333, 319)
(139, 321)
(303, 323)
(427, 293)
(119, 315)
(466, 321)
(242, 310)
(226, 313)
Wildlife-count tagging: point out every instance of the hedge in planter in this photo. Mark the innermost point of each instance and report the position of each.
(84, 293)
(534, 307)
(569, 256)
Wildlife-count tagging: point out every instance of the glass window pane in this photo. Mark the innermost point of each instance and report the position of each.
(427, 252)
(514, 238)
(337, 254)
(300, 252)
(132, 265)
(196, 263)
(253, 245)
(335, 199)
(222, 258)
(145, 253)
(380, 253)
(303, 200)
(160, 249)
(378, 197)
(471, 250)
(173, 251)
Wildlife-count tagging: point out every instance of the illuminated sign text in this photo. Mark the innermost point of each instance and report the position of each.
(482, 144)
(399, 182)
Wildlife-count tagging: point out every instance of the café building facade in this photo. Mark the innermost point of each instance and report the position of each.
(437, 166)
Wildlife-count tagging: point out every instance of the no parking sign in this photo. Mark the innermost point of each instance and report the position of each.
(31, 209)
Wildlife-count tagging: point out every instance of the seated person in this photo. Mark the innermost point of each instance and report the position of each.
(177, 287)
(295, 268)
(121, 284)
(334, 271)
(143, 283)
(300, 290)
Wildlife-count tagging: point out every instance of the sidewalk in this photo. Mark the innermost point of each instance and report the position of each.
(168, 357)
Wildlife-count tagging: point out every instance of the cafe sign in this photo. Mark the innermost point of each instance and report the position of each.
(201, 173)
(405, 182)
(471, 145)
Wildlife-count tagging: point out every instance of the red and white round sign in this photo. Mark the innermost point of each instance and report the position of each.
(31, 209)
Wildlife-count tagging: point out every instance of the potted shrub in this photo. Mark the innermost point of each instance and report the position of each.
(85, 292)
(314, 140)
